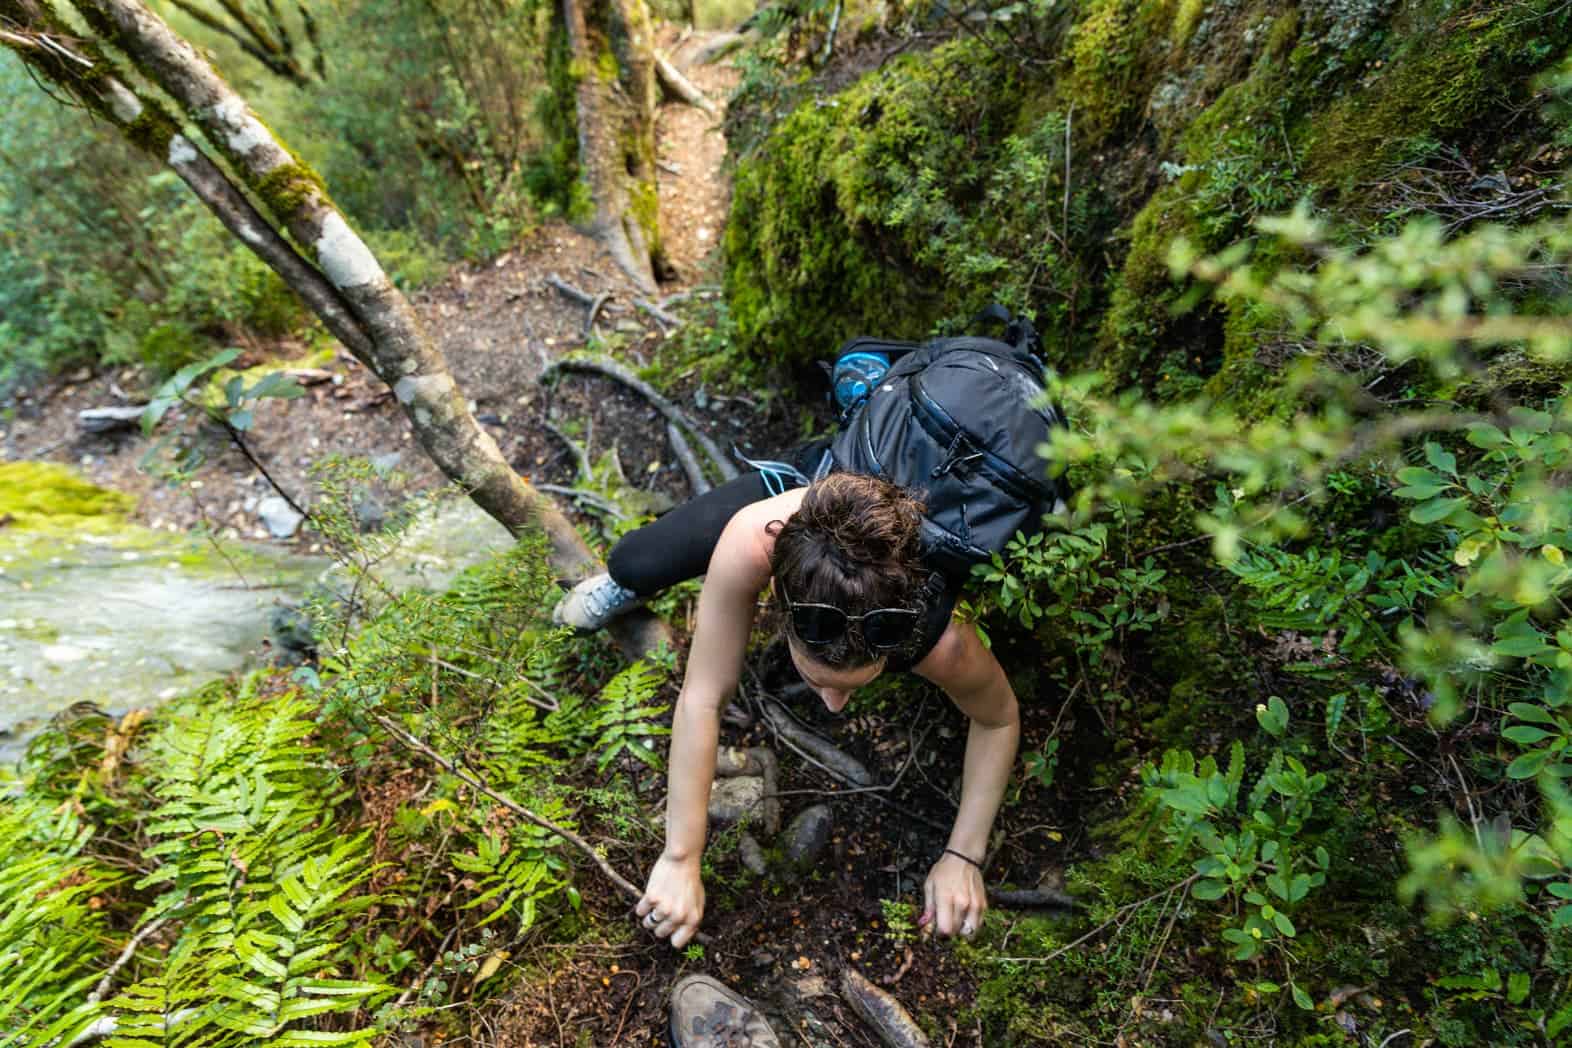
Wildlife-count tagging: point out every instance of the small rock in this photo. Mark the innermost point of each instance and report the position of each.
(751, 852)
(371, 513)
(279, 517)
(734, 799)
(762, 958)
(808, 836)
(385, 464)
(291, 631)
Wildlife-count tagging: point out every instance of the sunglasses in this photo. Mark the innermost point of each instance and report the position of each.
(882, 628)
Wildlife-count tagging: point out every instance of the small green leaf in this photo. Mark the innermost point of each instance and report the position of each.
(1527, 734)
(1284, 925)
(1529, 712)
(1440, 458)
(1527, 765)
(1435, 510)
(1207, 890)
(1301, 998)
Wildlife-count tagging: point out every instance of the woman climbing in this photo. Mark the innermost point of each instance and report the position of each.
(865, 573)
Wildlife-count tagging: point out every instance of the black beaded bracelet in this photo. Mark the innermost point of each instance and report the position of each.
(967, 858)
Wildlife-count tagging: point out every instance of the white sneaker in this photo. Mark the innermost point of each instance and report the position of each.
(593, 603)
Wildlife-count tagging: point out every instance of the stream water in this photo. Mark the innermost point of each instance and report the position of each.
(126, 617)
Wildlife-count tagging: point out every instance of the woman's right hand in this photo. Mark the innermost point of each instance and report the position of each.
(675, 896)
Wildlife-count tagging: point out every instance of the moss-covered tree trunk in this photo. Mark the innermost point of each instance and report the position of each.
(346, 286)
(613, 72)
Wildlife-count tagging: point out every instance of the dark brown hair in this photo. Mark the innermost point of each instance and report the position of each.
(852, 544)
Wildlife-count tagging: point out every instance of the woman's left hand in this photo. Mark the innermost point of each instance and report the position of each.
(955, 898)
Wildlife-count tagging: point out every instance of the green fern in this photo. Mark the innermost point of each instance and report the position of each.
(259, 881)
(624, 722)
(516, 873)
(50, 932)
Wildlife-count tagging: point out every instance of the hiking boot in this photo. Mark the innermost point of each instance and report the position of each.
(706, 1014)
(593, 603)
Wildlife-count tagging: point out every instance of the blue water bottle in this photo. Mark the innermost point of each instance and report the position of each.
(855, 375)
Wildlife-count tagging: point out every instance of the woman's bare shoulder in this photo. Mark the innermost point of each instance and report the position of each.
(745, 546)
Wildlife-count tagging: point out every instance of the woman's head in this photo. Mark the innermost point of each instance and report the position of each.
(852, 545)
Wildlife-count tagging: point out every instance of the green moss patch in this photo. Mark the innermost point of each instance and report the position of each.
(43, 494)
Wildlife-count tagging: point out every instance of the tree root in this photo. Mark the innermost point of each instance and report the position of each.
(594, 309)
(580, 452)
(821, 750)
(662, 317)
(688, 460)
(610, 369)
(567, 290)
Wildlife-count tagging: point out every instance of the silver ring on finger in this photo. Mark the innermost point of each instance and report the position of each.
(650, 920)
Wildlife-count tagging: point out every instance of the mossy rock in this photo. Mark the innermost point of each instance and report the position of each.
(35, 495)
(821, 243)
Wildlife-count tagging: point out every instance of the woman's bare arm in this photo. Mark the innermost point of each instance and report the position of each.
(962, 665)
(739, 569)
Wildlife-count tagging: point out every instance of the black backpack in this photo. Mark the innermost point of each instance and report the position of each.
(959, 419)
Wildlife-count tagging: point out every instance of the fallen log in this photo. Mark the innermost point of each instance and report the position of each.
(681, 87)
(107, 420)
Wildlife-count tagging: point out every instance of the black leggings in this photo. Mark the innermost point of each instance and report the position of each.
(677, 547)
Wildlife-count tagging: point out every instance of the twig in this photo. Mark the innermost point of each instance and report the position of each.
(403, 998)
(611, 369)
(689, 461)
(1069, 122)
(589, 498)
(245, 449)
(1162, 945)
(594, 309)
(580, 452)
(829, 37)
(124, 959)
(1401, 1033)
(552, 706)
(1120, 912)
(475, 782)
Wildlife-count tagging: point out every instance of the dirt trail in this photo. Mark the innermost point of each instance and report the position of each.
(498, 322)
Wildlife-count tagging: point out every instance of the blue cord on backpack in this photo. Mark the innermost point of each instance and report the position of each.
(855, 375)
